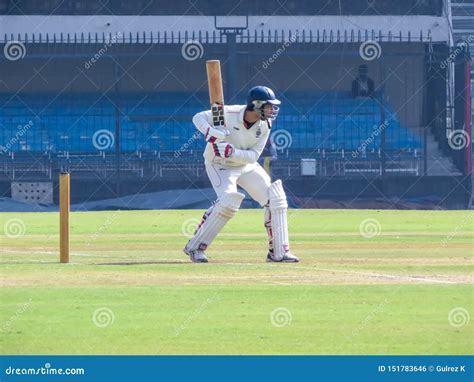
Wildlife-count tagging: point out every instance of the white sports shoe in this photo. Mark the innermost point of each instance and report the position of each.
(287, 258)
(196, 256)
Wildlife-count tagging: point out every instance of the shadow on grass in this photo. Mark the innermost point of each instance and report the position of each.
(146, 262)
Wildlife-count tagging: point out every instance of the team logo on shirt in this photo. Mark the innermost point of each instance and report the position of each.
(258, 133)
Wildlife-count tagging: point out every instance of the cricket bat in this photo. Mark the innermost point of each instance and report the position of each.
(216, 96)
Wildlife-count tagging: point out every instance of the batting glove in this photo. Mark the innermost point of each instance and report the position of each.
(223, 149)
(213, 135)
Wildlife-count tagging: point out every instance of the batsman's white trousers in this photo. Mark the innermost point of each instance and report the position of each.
(251, 177)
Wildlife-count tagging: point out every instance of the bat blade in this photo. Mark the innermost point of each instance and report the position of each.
(216, 92)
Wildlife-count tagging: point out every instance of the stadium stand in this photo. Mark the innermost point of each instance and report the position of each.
(331, 121)
(130, 81)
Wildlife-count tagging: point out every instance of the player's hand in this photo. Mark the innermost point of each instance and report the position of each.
(223, 149)
(213, 135)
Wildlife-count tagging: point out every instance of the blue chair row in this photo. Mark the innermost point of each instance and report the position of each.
(163, 123)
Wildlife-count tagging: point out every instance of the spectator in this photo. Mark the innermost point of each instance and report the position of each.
(362, 86)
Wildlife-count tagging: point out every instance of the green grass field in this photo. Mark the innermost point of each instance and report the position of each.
(399, 284)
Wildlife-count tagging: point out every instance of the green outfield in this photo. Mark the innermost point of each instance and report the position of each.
(370, 282)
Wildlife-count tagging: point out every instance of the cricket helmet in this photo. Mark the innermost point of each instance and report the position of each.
(258, 97)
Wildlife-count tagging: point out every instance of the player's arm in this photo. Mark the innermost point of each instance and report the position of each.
(203, 122)
(244, 156)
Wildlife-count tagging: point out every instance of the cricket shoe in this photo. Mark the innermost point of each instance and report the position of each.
(287, 258)
(196, 256)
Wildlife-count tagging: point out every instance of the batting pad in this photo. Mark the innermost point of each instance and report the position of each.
(278, 208)
(225, 208)
(267, 222)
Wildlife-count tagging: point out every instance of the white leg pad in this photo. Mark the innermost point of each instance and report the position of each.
(224, 209)
(267, 222)
(279, 228)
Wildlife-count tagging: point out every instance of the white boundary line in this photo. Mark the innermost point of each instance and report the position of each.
(366, 274)
(372, 274)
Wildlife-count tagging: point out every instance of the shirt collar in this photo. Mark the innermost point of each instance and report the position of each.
(242, 114)
(241, 118)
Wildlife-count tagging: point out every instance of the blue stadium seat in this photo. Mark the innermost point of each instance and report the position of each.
(326, 120)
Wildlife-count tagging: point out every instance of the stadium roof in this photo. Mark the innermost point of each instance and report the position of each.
(179, 29)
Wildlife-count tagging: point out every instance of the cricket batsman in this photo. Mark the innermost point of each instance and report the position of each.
(231, 156)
